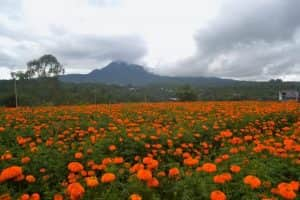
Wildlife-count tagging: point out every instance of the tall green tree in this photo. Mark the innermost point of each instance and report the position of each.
(45, 66)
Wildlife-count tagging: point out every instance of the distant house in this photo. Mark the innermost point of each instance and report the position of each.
(132, 89)
(173, 99)
(288, 95)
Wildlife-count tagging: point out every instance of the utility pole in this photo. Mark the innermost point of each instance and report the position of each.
(95, 96)
(16, 93)
(14, 77)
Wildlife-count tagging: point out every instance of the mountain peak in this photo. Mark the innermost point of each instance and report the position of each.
(122, 65)
(122, 73)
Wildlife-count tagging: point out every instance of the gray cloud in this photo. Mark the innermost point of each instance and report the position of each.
(19, 44)
(249, 40)
(73, 50)
(6, 60)
(98, 49)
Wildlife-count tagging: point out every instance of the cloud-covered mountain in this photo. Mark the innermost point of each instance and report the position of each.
(122, 73)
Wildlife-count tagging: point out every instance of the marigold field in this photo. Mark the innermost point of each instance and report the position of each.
(204, 150)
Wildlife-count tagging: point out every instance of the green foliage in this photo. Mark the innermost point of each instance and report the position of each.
(51, 91)
(8, 101)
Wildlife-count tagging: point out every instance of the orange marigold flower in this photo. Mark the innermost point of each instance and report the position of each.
(136, 167)
(35, 196)
(217, 195)
(253, 181)
(91, 173)
(2, 129)
(112, 147)
(58, 197)
(161, 174)
(173, 172)
(92, 181)
(30, 178)
(286, 190)
(226, 133)
(153, 164)
(222, 178)
(287, 194)
(135, 197)
(75, 190)
(118, 160)
(295, 185)
(218, 160)
(190, 161)
(78, 155)
(10, 173)
(7, 156)
(147, 160)
(248, 137)
(153, 182)
(235, 168)
(83, 173)
(144, 174)
(107, 161)
(209, 167)
(225, 157)
(25, 197)
(89, 151)
(75, 167)
(108, 177)
(186, 155)
(25, 160)
(43, 170)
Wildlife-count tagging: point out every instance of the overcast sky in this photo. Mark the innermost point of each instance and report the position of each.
(249, 39)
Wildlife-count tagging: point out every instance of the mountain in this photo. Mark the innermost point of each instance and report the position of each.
(122, 73)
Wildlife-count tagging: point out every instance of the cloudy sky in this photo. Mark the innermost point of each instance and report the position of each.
(249, 39)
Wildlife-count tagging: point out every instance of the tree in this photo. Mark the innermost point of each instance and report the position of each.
(45, 66)
(186, 93)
